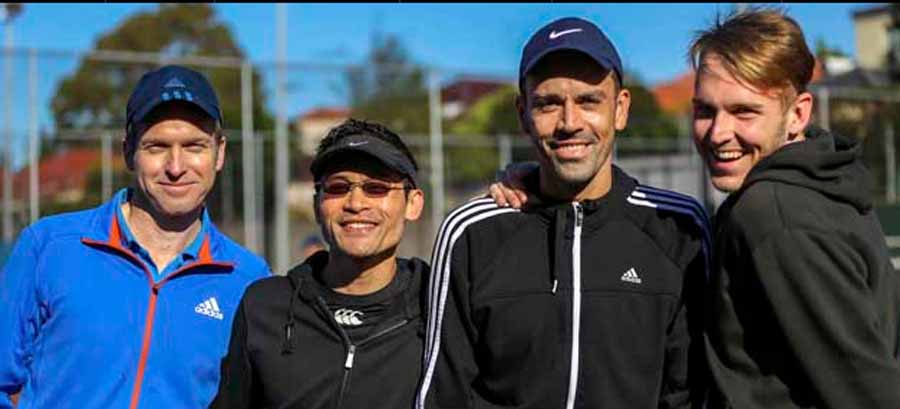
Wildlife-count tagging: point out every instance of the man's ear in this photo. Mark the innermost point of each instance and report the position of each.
(316, 198)
(522, 111)
(220, 152)
(128, 151)
(799, 113)
(415, 203)
(623, 104)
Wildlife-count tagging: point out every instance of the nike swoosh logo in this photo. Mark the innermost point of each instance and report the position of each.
(355, 144)
(554, 35)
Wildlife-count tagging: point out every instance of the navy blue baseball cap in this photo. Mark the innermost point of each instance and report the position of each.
(570, 33)
(170, 83)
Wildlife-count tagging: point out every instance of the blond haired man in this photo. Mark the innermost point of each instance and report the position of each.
(804, 298)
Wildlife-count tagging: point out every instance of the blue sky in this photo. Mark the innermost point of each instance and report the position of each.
(481, 39)
(475, 37)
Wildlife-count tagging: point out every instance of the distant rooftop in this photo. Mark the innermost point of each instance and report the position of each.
(870, 11)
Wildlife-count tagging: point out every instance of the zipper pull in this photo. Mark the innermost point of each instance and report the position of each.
(351, 351)
(579, 214)
(555, 283)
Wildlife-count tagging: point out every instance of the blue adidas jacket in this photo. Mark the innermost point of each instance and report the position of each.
(84, 325)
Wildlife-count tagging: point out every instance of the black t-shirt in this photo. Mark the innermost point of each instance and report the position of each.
(358, 314)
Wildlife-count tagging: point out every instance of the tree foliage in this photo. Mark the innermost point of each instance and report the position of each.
(492, 115)
(645, 118)
(389, 88)
(96, 93)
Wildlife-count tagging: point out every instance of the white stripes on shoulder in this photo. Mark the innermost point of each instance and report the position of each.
(451, 229)
(679, 203)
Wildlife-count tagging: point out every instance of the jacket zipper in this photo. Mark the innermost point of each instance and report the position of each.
(576, 305)
(351, 354)
(151, 311)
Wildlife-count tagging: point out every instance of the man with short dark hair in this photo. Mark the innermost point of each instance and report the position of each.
(588, 299)
(805, 299)
(129, 304)
(343, 329)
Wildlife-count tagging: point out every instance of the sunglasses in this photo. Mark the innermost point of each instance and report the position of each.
(370, 188)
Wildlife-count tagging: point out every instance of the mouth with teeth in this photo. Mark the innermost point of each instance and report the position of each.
(570, 150)
(726, 161)
(727, 156)
(357, 227)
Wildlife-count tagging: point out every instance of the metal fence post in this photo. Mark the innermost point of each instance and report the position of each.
(34, 204)
(248, 167)
(281, 240)
(260, 190)
(504, 146)
(106, 160)
(890, 165)
(824, 108)
(436, 151)
(8, 142)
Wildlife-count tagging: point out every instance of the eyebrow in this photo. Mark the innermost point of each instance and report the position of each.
(598, 94)
(742, 105)
(745, 105)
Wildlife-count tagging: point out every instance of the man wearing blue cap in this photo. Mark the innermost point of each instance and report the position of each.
(588, 297)
(130, 304)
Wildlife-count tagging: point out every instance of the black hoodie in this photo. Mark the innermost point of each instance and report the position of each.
(804, 301)
(287, 350)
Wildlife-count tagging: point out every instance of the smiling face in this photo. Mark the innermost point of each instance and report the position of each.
(736, 125)
(358, 224)
(176, 159)
(571, 110)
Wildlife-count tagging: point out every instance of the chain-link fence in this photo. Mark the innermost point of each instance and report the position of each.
(63, 121)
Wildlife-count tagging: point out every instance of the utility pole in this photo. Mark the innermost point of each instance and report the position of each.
(9, 12)
(282, 164)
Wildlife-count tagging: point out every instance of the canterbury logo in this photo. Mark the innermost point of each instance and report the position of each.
(631, 276)
(209, 308)
(346, 316)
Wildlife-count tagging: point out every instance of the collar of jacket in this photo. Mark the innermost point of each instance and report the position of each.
(107, 233)
(596, 211)
(302, 276)
(303, 288)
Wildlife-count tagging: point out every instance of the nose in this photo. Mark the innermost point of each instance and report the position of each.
(722, 128)
(570, 123)
(175, 167)
(356, 200)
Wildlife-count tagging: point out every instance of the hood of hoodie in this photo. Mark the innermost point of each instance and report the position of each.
(825, 162)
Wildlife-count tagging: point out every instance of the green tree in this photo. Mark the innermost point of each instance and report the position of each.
(492, 115)
(823, 50)
(645, 118)
(96, 93)
(389, 88)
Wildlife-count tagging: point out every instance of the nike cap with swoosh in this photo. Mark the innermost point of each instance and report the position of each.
(570, 33)
(384, 152)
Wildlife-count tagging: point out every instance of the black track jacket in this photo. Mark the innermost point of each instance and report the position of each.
(805, 299)
(572, 305)
(287, 351)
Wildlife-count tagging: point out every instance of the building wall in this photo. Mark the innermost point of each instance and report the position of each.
(313, 130)
(872, 39)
